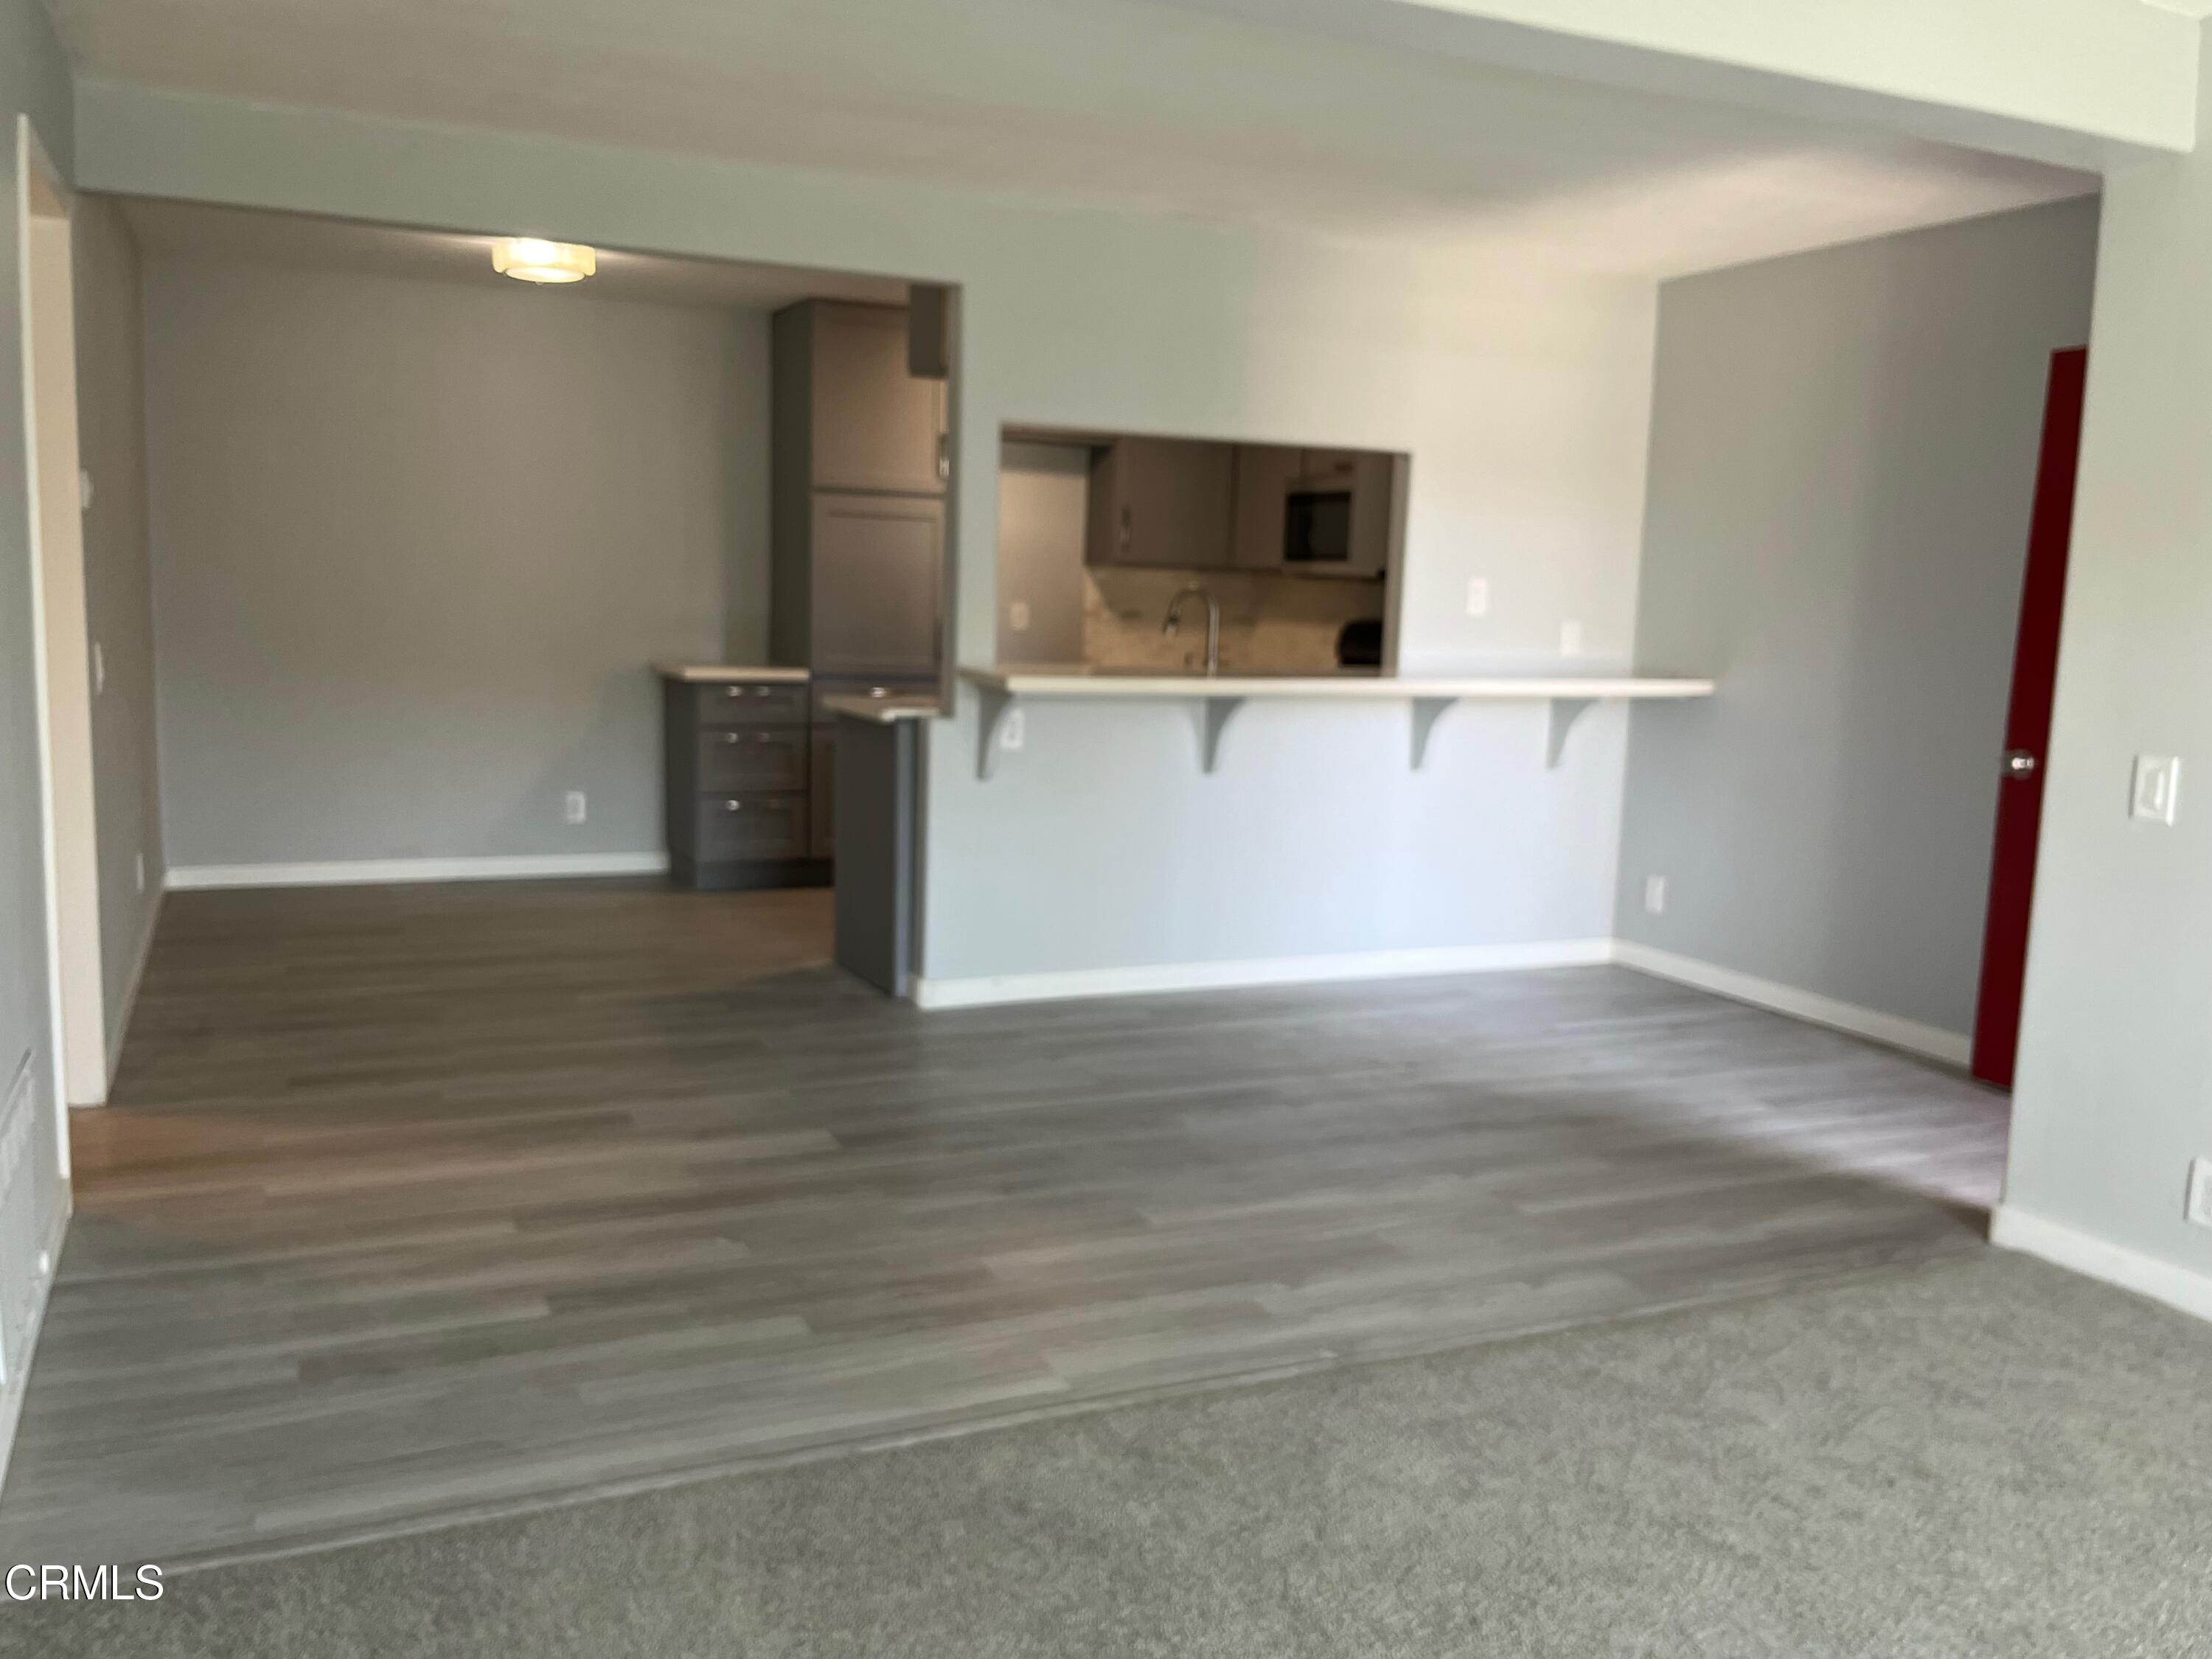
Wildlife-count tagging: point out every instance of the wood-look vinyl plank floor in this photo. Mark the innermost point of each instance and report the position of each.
(415, 1203)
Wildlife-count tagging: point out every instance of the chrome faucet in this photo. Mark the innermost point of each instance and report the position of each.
(1174, 622)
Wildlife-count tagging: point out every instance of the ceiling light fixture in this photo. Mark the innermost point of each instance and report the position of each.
(528, 259)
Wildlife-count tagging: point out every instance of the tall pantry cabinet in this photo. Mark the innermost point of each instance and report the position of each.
(858, 465)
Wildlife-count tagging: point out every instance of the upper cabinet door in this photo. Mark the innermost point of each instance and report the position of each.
(1163, 501)
(876, 427)
(1265, 475)
(876, 560)
(1320, 468)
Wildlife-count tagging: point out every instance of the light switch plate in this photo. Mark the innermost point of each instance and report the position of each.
(2157, 792)
(2197, 1207)
(1478, 596)
(1655, 895)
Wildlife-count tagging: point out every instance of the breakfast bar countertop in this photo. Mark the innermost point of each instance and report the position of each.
(1220, 695)
(1080, 680)
(713, 673)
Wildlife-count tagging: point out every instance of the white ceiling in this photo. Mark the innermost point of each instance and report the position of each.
(317, 244)
(1139, 104)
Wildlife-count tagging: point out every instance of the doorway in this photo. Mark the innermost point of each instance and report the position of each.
(2027, 726)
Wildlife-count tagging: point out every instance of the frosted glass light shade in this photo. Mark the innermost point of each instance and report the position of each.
(531, 260)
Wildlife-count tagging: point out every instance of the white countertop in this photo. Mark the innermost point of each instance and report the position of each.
(1219, 696)
(710, 674)
(1080, 681)
(883, 711)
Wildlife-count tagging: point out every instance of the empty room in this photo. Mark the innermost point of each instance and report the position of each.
(1104, 829)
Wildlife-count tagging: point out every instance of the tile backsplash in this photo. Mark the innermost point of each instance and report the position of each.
(1267, 622)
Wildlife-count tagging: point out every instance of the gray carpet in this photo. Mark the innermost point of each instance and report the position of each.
(1984, 1456)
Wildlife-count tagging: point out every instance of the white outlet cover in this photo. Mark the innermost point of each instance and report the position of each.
(2197, 1207)
(1010, 729)
(138, 869)
(83, 490)
(576, 807)
(2156, 795)
(1478, 596)
(1570, 639)
(1017, 615)
(1655, 894)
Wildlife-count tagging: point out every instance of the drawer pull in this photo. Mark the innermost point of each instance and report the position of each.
(733, 806)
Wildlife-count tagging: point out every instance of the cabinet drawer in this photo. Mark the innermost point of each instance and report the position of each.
(740, 702)
(751, 826)
(740, 758)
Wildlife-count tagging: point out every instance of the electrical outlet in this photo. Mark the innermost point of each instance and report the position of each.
(138, 869)
(2157, 791)
(1478, 596)
(576, 807)
(99, 669)
(2197, 1208)
(1570, 639)
(1010, 729)
(1655, 894)
(1018, 616)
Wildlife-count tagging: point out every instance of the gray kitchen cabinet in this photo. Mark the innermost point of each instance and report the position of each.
(877, 566)
(856, 513)
(1321, 467)
(1268, 475)
(1264, 475)
(737, 767)
(822, 817)
(845, 395)
(1163, 503)
(1379, 510)
(856, 494)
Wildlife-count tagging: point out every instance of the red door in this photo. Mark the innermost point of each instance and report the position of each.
(2027, 726)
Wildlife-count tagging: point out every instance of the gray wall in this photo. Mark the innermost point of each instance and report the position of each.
(1042, 488)
(1523, 397)
(1843, 459)
(118, 593)
(414, 545)
(2114, 1093)
(35, 80)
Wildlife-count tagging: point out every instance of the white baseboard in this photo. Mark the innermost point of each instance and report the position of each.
(356, 871)
(1954, 1048)
(119, 1028)
(989, 989)
(2131, 1270)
